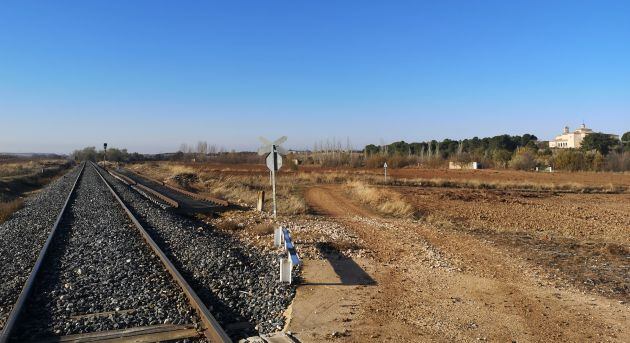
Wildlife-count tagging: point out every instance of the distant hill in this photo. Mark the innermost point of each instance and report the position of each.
(5, 155)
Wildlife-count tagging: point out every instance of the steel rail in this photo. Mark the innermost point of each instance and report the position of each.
(28, 286)
(122, 177)
(212, 330)
(216, 201)
(171, 202)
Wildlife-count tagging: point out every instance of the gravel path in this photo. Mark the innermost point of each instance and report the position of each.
(98, 264)
(238, 283)
(22, 237)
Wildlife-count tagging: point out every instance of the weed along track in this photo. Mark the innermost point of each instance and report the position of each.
(100, 276)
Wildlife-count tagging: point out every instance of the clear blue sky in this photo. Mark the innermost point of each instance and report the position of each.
(149, 75)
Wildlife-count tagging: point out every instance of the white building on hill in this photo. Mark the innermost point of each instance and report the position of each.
(570, 139)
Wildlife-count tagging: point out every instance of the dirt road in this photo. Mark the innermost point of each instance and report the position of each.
(435, 284)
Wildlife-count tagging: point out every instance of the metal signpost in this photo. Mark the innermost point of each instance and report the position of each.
(273, 161)
(385, 167)
(104, 153)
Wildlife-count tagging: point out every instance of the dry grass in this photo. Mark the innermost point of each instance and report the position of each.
(293, 204)
(384, 201)
(234, 188)
(572, 187)
(243, 188)
(263, 229)
(229, 225)
(8, 208)
(27, 167)
(179, 169)
(18, 168)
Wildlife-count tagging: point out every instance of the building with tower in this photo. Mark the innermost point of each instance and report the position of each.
(570, 140)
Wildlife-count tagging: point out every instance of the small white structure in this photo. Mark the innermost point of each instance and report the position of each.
(463, 165)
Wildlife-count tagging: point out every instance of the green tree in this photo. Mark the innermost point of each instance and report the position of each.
(501, 157)
(625, 141)
(85, 154)
(401, 148)
(371, 149)
(600, 142)
(528, 140)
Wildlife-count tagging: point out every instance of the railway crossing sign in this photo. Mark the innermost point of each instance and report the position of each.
(273, 161)
(268, 145)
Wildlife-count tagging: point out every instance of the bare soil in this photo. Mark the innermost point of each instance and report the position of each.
(514, 176)
(475, 264)
(439, 280)
(600, 179)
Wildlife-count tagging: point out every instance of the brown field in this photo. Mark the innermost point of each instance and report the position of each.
(514, 176)
(460, 178)
(490, 255)
(22, 167)
(20, 177)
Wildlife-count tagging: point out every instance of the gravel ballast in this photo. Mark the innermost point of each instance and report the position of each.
(23, 236)
(238, 283)
(100, 274)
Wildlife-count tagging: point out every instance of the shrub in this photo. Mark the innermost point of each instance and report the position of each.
(597, 161)
(501, 157)
(523, 159)
(619, 162)
(397, 161)
(569, 159)
(375, 161)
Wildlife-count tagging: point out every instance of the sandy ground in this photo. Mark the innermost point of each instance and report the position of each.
(430, 281)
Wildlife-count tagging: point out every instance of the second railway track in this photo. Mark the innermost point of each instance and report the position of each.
(100, 276)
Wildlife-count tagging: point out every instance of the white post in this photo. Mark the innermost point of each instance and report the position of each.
(277, 237)
(385, 167)
(285, 269)
(273, 180)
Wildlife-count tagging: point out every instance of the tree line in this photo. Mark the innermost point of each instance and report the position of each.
(598, 151)
(113, 155)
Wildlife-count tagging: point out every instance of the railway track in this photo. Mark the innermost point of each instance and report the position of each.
(101, 277)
